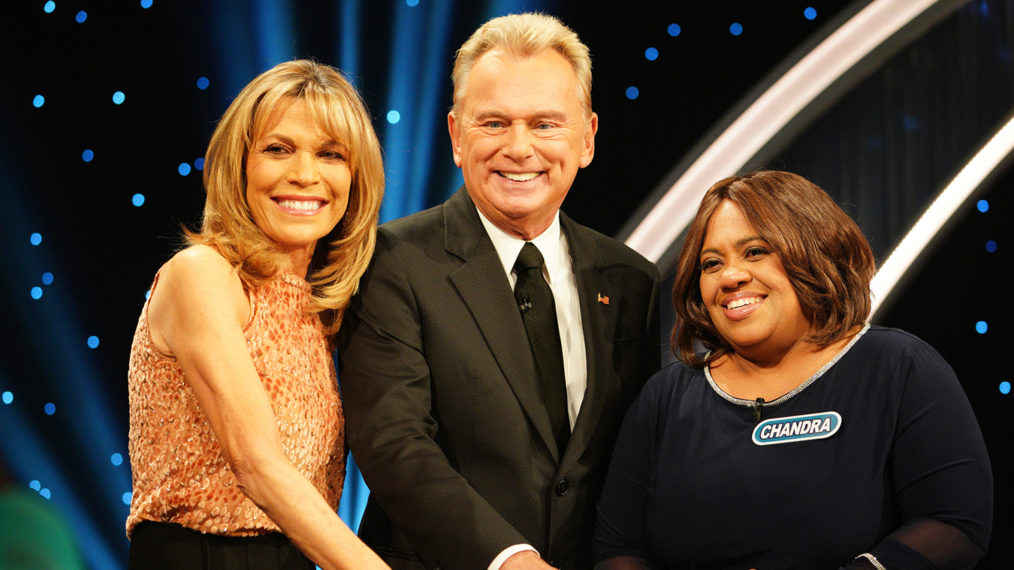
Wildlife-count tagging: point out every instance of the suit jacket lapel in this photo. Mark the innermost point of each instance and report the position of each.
(484, 287)
(599, 301)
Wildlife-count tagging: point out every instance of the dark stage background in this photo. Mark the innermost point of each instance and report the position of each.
(107, 108)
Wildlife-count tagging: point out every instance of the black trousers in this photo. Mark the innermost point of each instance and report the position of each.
(165, 546)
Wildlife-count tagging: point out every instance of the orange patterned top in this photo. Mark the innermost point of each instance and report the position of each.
(180, 474)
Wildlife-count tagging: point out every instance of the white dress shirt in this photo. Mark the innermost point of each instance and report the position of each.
(559, 273)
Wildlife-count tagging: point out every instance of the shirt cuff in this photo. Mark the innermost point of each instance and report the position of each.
(507, 553)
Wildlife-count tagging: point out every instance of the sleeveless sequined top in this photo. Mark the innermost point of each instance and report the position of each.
(180, 474)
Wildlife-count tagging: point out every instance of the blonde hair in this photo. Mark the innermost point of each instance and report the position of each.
(523, 35)
(228, 225)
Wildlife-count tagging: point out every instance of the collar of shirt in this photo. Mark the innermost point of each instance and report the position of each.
(551, 244)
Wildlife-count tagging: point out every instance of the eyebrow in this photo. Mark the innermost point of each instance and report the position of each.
(554, 114)
(739, 243)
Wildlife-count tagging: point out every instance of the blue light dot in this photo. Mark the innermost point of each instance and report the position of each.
(981, 327)
(126, 498)
(632, 92)
(137, 200)
(7, 397)
(116, 459)
(674, 30)
(810, 13)
(911, 123)
(147, 294)
(47, 278)
(35, 238)
(36, 293)
(183, 169)
(34, 485)
(393, 117)
(203, 83)
(736, 28)
(38, 101)
(119, 97)
(651, 54)
(88, 155)
(991, 246)
(81, 17)
(146, 4)
(48, 7)
(1005, 387)
(45, 493)
(198, 164)
(49, 408)
(982, 206)
(93, 341)
(412, 3)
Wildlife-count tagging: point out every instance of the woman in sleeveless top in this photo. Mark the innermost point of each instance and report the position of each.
(237, 440)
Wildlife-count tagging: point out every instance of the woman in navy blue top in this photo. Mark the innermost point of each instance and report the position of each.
(792, 434)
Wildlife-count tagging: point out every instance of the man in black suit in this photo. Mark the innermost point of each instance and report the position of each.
(477, 454)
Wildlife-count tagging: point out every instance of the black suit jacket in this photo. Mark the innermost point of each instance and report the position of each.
(444, 416)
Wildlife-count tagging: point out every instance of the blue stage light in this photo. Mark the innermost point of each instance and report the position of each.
(7, 397)
(126, 498)
(146, 4)
(393, 117)
(47, 278)
(991, 246)
(147, 294)
(46, 494)
(674, 30)
(1005, 387)
(34, 485)
(48, 7)
(202, 83)
(651, 54)
(736, 28)
(183, 169)
(81, 17)
(137, 199)
(198, 164)
(632, 92)
(411, 3)
(36, 293)
(87, 155)
(810, 13)
(119, 97)
(93, 341)
(116, 459)
(35, 238)
(911, 123)
(49, 408)
(981, 327)
(38, 101)
(982, 206)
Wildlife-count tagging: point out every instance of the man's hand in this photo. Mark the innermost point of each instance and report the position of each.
(525, 560)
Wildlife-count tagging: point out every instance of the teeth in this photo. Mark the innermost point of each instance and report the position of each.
(743, 302)
(305, 205)
(519, 176)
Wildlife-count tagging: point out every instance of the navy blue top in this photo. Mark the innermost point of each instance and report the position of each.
(689, 487)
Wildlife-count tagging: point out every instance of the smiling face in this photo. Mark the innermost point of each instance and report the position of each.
(297, 181)
(745, 289)
(520, 138)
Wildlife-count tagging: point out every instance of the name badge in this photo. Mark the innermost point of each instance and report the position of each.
(796, 428)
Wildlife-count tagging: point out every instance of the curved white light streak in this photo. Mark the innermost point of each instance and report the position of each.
(943, 207)
(768, 115)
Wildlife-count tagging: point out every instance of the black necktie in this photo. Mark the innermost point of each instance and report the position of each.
(538, 311)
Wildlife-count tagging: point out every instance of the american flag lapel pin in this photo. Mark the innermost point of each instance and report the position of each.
(603, 299)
